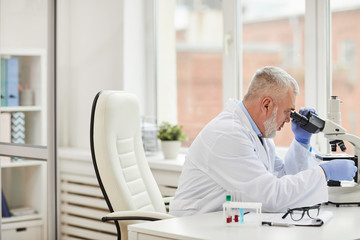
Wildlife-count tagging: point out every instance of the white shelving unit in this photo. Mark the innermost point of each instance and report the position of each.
(24, 184)
(32, 71)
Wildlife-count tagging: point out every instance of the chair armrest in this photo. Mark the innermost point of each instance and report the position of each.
(167, 200)
(136, 215)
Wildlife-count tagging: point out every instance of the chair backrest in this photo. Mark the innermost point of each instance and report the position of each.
(119, 160)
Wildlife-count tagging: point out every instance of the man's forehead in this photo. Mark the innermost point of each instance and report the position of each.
(290, 107)
(291, 100)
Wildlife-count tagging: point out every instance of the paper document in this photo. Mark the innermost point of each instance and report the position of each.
(276, 218)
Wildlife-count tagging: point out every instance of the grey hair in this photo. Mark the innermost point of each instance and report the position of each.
(270, 81)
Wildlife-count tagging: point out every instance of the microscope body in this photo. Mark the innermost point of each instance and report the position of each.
(344, 192)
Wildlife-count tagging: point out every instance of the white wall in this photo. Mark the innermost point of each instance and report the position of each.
(89, 54)
(25, 24)
(95, 52)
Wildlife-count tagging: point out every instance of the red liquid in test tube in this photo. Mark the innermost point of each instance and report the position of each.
(236, 218)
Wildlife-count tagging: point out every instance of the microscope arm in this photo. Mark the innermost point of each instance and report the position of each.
(332, 128)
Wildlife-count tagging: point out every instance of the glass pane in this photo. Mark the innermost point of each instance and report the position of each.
(273, 35)
(345, 60)
(199, 30)
(23, 53)
(25, 159)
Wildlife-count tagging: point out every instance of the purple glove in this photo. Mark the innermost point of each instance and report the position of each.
(301, 135)
(339, 170)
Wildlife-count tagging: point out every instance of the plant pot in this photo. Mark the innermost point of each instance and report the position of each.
(170, 149)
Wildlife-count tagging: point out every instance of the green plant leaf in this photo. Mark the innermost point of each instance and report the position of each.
(169, 132)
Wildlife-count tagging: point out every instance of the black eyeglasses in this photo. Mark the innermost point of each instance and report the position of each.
(298, 213)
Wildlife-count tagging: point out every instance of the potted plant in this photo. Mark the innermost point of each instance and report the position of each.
(171, 137)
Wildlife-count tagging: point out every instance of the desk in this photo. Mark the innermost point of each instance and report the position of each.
(345, 224)
(166, 172)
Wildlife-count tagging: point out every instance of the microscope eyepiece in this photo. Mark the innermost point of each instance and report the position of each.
(310, 123)
(297, 117)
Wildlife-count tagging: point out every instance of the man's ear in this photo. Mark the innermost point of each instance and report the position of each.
(266, 104)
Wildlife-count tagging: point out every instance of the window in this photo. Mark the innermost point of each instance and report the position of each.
(273, 35)
(199, 30)
(292, 34)
(345, 60)
(191, 93)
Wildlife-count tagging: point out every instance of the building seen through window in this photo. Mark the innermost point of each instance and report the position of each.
(199, 32)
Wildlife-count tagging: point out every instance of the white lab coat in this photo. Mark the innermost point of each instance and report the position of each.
(227, 155)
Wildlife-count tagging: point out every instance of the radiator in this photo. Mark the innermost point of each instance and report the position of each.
(81, 202)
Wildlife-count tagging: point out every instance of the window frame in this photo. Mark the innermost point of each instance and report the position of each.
(318, 61)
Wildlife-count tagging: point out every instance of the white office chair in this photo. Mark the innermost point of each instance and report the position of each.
(122, 170)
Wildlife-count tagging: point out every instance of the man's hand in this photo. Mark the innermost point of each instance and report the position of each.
(301, 135)
(339, 170)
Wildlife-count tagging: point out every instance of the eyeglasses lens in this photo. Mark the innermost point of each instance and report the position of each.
(297, 215)
(313, 212)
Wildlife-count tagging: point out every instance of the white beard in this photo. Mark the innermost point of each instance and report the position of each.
(270, 125)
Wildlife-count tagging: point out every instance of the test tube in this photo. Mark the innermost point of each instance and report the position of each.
(228, 210)
(236, 212)
(241, 212)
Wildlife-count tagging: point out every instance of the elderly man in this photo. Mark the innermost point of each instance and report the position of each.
(235, 152)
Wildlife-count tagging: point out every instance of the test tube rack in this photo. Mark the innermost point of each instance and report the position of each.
(234, 212)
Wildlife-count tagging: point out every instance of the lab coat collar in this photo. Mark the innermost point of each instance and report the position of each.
(233, 107)
(253, 124)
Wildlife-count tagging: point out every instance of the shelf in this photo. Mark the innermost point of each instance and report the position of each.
(24, 163)
(24, 182)
(24, 185)
(21, 218)
(32, 75)
(23, 52)
(21, 109)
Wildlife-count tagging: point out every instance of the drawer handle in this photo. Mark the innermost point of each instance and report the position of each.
(20, 229)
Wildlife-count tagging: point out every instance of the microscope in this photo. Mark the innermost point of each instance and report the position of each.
(344, 192)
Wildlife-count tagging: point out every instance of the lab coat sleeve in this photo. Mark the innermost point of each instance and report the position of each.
(298, 159)
(240, 168)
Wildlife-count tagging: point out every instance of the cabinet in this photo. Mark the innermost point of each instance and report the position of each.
(32, 76)
(24, 184)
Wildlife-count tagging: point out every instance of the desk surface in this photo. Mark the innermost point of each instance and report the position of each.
(345, 224)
